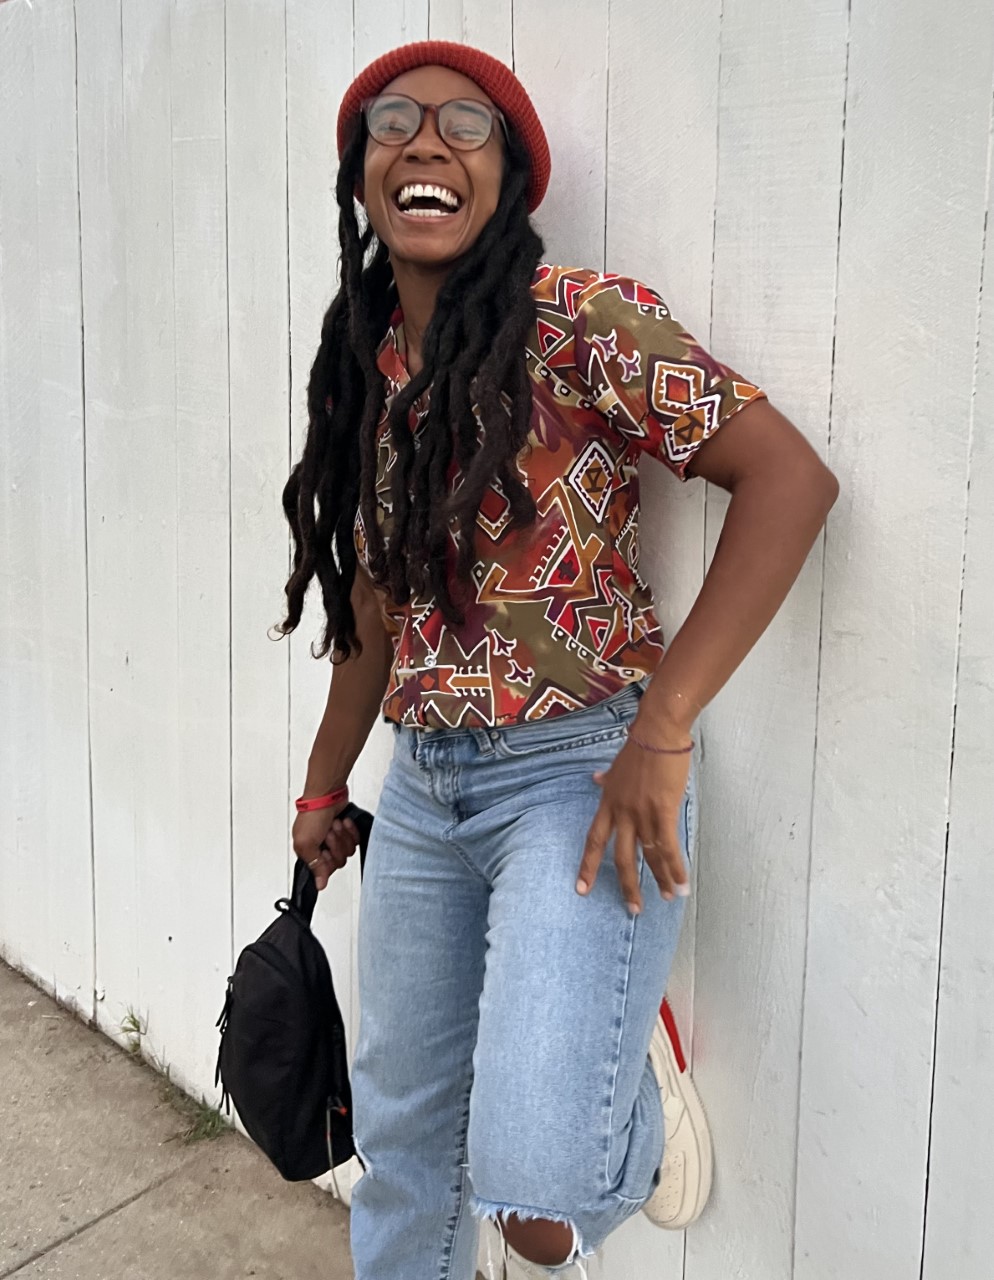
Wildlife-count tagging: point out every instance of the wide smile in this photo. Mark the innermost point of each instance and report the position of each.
(427, 202)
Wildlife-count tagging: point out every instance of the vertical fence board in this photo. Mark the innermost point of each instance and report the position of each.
(60, 620)
(12, 44)
(201, 825)
(22, 908)
(258, 319)
(381, 25)
(113, 497)
(780, 135)
(912, 214)
(959, 1235)
(560, 52)
(484, 26)
(136, 743)
(659, 229)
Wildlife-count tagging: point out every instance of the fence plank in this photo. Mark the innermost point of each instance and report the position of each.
(560, 53)
(140, 611)
(258, 318)
(959, 1237)
(485, 26)
(202, 820)
(893, 565)
(780, 132)
(381, 25)
(60, 648)
(21, 910)
(114, 499)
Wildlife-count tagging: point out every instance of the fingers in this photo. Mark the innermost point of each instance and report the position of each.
(593, 851)
(626, 862)
(662, 854)
(665, 859)
(328, 855)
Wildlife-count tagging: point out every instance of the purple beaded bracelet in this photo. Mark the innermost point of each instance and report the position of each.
(659, 751)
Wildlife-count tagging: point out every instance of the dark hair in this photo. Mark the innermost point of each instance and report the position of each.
(473, 351)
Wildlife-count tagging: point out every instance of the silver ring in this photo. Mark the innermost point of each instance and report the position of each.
(317, 859)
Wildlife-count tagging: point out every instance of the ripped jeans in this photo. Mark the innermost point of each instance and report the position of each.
(501, 1063)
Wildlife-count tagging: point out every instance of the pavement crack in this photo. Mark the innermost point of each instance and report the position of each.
(86, 1226)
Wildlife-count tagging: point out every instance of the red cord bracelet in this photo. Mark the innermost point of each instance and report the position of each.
(307, 803)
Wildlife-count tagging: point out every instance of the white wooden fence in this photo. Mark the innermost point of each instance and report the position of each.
(808, 183)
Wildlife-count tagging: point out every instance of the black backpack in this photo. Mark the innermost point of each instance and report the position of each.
(282, 1059)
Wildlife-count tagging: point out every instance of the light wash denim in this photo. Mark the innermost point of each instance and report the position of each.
(505, 1019)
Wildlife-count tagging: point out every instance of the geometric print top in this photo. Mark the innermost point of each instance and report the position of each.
(562, 617)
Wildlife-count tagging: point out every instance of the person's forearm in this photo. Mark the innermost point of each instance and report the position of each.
(357, 688)
(770, 526)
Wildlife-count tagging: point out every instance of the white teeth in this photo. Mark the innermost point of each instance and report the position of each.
(420, 190)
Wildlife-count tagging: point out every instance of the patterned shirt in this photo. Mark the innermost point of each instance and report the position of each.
(562, 617)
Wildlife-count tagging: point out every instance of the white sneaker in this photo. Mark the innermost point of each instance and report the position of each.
(685, 1174)
(340, 1180)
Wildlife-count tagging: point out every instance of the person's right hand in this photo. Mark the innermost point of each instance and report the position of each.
(324, 841)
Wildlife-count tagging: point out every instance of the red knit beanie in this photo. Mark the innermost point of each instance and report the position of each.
(497, 81)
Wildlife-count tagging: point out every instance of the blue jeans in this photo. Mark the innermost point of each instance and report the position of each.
(501, 1063)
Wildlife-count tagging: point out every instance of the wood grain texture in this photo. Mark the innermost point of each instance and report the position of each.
(60, 588)
(484, 26)
(114, 498)
(45, 850)
(381, 25)
(560, 53)
(911, 231)
(259, 335)
(22, 906)
(959, 1232)
(202, 821)
(141, 612)
(779, 161)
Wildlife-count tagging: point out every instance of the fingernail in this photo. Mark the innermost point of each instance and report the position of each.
(634, 908)
(682, 890)
(581, 886)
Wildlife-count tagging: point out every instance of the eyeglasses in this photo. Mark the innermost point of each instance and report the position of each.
(464, 124)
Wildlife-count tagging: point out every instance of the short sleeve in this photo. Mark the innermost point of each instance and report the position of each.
(649, 377)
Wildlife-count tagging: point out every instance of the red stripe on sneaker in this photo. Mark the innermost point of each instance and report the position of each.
(669, 1022)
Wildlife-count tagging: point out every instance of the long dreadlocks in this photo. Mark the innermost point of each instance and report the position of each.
(473, 351)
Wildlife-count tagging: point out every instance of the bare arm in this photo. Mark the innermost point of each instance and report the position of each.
(781, 496)
(357, 688)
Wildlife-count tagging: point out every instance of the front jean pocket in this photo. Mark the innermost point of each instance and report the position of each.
(605, 721)
(519, 742)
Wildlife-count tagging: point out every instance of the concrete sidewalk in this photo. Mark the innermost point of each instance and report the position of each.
(96, 1183)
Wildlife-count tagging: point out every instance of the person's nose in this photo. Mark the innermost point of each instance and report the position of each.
(427, 144)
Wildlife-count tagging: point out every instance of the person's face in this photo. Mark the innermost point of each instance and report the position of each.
(473, 177)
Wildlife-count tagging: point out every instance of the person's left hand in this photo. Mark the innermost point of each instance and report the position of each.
(641, 803)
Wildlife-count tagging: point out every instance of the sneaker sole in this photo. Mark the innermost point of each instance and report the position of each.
(661, 1049)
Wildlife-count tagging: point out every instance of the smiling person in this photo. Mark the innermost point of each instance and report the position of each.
(468, 501)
